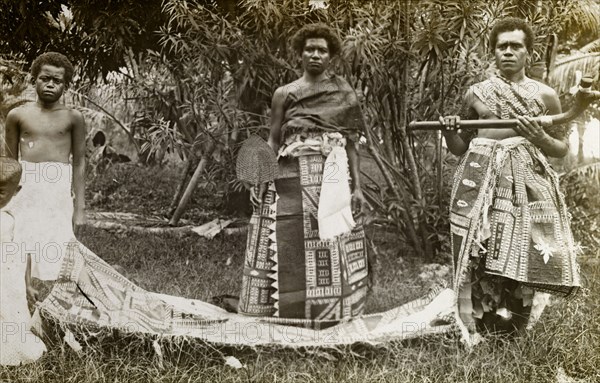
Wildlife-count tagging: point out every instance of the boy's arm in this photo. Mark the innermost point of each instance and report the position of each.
(78, 150)
(11, 146)
(32, 292)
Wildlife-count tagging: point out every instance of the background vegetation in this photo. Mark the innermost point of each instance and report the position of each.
(189, 80)
(177, 86)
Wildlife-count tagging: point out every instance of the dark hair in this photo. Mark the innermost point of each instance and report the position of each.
(510, 24)
(317, 31)
(55, 59)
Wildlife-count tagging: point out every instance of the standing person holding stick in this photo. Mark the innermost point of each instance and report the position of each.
(509, 223)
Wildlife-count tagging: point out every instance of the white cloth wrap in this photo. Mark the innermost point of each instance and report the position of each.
(43, 211)
(335, 201)
(17, 342)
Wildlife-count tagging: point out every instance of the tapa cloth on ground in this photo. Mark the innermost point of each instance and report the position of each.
(90, 293)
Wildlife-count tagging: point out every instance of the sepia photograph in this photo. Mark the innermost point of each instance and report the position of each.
(300, 191)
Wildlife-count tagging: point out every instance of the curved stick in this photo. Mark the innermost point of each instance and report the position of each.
(583, 98)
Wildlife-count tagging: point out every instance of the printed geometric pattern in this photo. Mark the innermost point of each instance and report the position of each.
(336, 270)
(259, 284)
(330, 280)
(514, 211)
(507, 99)
(90, 296)
(90, 292)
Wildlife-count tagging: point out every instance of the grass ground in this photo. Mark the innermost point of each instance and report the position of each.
(567, 337)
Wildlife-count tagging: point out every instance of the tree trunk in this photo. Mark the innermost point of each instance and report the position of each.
(396, 189)
(417, 194)
(408, 150)
(388, 144)
(187, 167)
(192, 185)
(580, 132)
(440, 167)
(125, 228)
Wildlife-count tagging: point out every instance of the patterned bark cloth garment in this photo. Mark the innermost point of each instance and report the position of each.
(509, 222)
(89, 295)
(289, 271)
(294, 268)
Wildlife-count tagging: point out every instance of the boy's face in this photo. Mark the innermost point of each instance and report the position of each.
(50, 83)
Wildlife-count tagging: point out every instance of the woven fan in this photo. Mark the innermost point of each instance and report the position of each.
(256, 161)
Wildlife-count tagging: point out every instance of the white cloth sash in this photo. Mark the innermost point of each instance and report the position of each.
(335, 201)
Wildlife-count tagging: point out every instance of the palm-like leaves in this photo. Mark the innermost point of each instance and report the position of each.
(12, 83)
(589, 172)
(563, 75)
(213, 74)
(593, 46)
(582, 17)
(407, 59)
(581, 191)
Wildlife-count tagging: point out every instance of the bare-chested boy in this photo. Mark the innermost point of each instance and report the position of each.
(509, 223)
(49, 140)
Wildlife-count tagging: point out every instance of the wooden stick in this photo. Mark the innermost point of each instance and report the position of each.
(583, 98)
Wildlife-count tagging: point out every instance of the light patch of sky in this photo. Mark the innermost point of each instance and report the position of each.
(316, 4)
(66, 11)
(591, 140)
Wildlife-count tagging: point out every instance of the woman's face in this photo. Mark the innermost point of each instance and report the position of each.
(315, 56)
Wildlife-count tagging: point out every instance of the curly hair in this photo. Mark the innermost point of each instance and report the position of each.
(55, 59)
(510, 24)
(316, 31)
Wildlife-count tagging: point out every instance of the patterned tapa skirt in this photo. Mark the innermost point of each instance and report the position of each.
(289, 272)
(510, 228)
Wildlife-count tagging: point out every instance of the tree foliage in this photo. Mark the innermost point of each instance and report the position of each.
(581, 187)
(201, 75)
(97, 35)
(408, 60)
